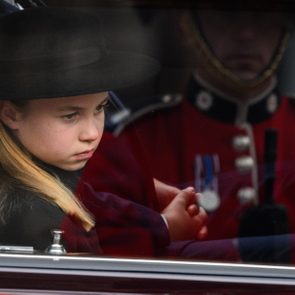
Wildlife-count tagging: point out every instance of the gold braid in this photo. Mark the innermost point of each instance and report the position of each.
(197, 41)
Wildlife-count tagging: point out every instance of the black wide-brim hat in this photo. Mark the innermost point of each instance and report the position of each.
(59, 52)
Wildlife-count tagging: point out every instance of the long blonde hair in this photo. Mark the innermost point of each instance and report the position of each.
(19, 165)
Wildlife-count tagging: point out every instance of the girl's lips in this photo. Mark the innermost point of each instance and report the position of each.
(84, 155)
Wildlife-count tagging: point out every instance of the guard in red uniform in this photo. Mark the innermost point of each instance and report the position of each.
(213, 136)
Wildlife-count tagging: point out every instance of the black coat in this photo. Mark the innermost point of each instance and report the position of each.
(124, 228)
(27, 219)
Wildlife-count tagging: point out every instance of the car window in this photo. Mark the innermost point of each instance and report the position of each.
(162, 131)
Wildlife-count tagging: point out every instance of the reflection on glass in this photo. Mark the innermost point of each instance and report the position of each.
(196, 158)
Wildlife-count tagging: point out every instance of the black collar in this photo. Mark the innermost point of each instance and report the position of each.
(230, 110)
(69, 178)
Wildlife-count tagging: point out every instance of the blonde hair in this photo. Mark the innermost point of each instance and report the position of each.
(19, 165)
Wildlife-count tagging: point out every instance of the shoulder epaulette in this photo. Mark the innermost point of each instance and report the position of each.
(123, 112)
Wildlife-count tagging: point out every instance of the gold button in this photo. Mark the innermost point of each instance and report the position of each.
(241, 142)
(204, 100)
(244, 163)
(247, 195)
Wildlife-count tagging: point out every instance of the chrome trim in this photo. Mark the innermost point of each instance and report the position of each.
(145, 268)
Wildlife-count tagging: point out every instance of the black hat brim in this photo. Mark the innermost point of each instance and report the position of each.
(117, 70)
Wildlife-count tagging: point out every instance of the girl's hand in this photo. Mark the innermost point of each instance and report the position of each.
(165, 193)
(185, 219)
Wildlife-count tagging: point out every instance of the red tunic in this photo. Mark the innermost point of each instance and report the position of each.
(190, 142)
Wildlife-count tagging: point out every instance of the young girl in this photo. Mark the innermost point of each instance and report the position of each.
(55, 73)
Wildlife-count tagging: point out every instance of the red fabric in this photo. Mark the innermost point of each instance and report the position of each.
(106, 171)
(170, 140)
(77, 240)
(124, 228)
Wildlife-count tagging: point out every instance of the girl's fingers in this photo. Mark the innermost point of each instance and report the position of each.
(202, 233)
(193, 210)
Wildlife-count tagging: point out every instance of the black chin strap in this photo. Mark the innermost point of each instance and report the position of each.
(192, 28)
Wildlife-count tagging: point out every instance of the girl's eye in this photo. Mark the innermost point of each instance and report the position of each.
(70, 117)
(102, 107)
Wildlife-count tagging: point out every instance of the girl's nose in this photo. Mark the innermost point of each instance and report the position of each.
(91, 130)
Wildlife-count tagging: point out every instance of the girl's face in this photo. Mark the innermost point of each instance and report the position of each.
(63, 132)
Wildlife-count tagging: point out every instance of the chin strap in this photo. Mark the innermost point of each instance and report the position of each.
(208, 58)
